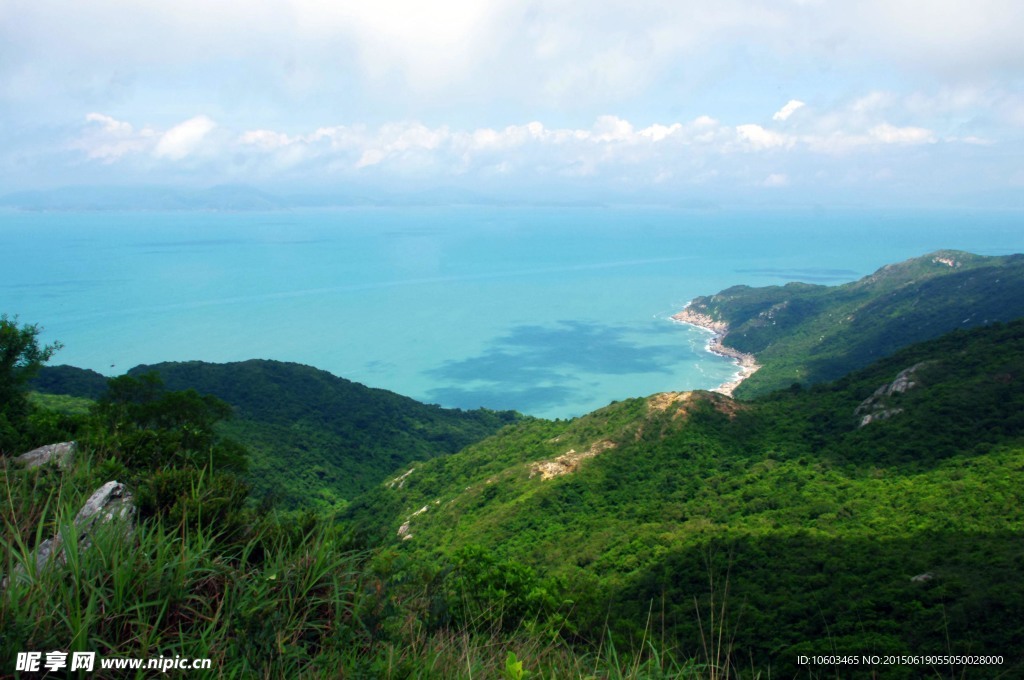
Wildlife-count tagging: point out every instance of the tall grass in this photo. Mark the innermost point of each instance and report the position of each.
(282, 599)
(276, 604)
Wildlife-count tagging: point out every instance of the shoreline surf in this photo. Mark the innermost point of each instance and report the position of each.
(746, 364)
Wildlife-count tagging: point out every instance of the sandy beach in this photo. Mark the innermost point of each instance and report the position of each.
(745, 363)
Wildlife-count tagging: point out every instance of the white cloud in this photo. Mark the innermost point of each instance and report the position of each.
(884, 134)
(758, 138)
(611, 129)
(788, 110)
(613, 149)
(658, 132)
(890, 134)
(265, 139)
(183, 139)
(113, 139)
(110, 125)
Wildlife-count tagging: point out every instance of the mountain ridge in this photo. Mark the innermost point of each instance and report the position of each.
(806, 333)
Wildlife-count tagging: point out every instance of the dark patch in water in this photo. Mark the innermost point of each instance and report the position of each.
(533, 368)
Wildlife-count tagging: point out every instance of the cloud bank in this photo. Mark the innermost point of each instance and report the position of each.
(778, 152)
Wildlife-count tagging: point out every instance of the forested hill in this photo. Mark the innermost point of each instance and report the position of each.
(315, 439)
(884, 511)
(809, 333)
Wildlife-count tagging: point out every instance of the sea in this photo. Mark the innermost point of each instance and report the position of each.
(551, 311)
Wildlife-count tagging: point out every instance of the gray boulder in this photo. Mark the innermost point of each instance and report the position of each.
(111, 502)
(62, 454)
(876, 407)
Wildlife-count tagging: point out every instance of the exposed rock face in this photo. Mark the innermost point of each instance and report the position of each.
(681, 404)
(876, 406)
(400, 480)
(568, 462)
(403, 531)
(110, 502)
(63, 454)
(691, 316)
(663, 401)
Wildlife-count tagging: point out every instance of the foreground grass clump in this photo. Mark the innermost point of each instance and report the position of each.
(277, 601)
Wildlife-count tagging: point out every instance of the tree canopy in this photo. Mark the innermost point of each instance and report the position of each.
(20, 358)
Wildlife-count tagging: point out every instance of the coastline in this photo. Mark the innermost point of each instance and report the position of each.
(746, 364)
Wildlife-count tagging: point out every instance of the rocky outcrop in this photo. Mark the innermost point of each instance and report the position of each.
(403, 531)
(62, 455)
(568, 462)
(877, 406)
(400, 480)
(111, 502)
(695, 318)
(948, 261)
(682, 404)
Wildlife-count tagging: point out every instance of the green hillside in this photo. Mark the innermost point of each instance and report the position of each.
(818, 533)
(810, 333)
(315, 440)
(69, 380)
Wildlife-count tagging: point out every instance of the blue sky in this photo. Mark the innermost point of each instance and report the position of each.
(874, 102)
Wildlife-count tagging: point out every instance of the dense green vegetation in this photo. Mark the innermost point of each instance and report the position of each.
(682, 535)
(20, 359)
(807, 527)
(810, 333)
(69, 380)
(315, 440)
(202, 574)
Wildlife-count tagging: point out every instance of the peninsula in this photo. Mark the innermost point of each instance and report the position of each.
(810, 333)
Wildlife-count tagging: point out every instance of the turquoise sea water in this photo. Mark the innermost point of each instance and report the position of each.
(550, 311)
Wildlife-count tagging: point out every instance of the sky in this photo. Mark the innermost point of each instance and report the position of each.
(874, 102)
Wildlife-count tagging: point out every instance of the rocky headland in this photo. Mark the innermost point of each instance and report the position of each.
(746, 363)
